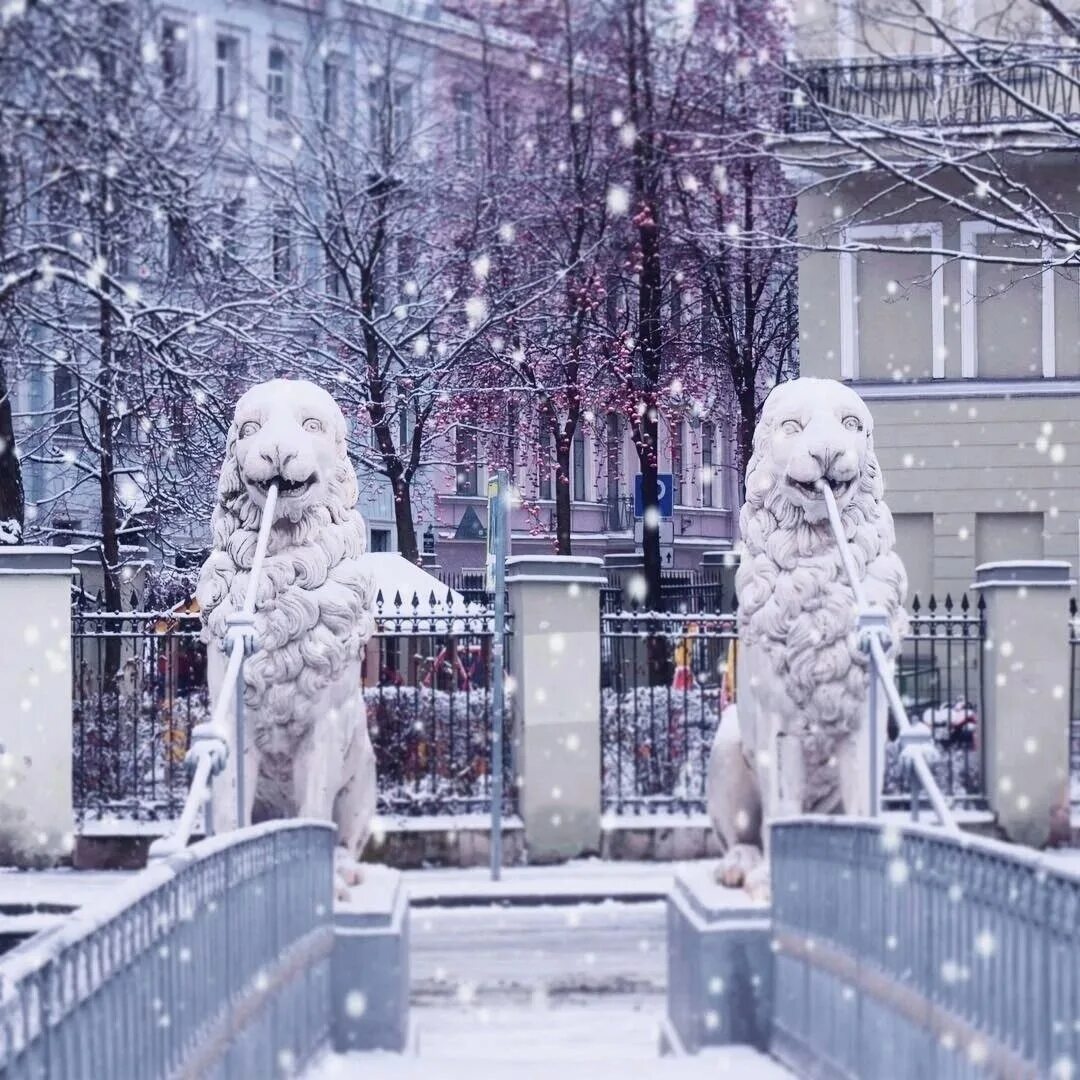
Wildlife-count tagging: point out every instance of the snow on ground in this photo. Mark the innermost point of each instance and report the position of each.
(565, 991)
(530, 954)
(580, 878)
(554, 1044)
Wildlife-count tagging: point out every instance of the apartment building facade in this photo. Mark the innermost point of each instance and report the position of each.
(937, 194)
(250, 66)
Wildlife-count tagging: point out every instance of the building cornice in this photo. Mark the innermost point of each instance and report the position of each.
(947, 389)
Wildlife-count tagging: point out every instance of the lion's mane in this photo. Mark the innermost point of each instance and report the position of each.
(796, 606)
(313, 611)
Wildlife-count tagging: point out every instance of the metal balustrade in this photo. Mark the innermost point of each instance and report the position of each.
(1016, 85)
(213, 962)
(903, 951)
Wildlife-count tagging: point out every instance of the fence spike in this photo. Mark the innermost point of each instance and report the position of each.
(397, 599)
(915, 605)
(965, 604)
(932, 605)
(431, 600)
(1072, 607)
(948, 603)
(415, 602)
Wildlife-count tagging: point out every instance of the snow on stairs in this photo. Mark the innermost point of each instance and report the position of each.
(562, 1042)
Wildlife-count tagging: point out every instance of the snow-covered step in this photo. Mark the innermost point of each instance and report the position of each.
(581, 1032)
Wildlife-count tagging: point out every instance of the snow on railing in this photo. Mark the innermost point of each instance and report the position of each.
(210, 742)
(872, 625)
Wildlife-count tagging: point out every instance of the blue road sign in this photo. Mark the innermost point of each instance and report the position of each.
(665, 492)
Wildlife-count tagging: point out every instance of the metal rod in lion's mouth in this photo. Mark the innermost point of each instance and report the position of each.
(841, 541)
(261, 545)
(879, 666)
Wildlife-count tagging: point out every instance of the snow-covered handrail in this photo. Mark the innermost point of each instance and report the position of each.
(211, 742)
(870, 624)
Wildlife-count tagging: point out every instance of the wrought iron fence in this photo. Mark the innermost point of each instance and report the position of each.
(939, 675)
(1074, 703)
(215, 962)
(956, 957)
(661, 693)
(662, 680)
(681, 591)
(139, 686)
(993, 87)
(430, 706)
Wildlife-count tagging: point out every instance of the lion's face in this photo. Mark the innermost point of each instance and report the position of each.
(290, 433)
(813, 430)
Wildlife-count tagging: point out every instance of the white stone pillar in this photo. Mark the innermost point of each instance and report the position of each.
(1025, 721)
(555, 663)
(36, 817)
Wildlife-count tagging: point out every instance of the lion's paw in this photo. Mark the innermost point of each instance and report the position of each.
(737, 864)
(758, 884)
(347, 872)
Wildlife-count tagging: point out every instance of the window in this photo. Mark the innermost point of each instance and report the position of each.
(708, 438)
(177, 252)
(511, 441)
(464, 127)
(613, 465)
(380, 539)
(277, 84)
(678, 496)
(232, 213)
(173, 55)
(335, 258)
(281, 247)
(331, 91)
(466, 461)
(64, 530)
(544, 459)
(226, 73)
(579, 463)
(390, 115)
(402, 113)
(65, 400)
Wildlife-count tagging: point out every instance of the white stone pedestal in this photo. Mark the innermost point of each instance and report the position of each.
(36, 818)
(1024, 728)
(555, 662)
(369, 982)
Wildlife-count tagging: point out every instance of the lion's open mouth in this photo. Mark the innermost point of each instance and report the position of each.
(839, 487)
(285, 486)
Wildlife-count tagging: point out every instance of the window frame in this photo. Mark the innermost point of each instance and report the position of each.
(849, 323)
(278, 84)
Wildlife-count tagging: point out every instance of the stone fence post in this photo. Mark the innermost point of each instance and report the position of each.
(555, 663)
(36, 816)
(1024, 727)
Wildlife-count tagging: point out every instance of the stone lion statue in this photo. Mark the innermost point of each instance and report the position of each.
(798, 739)
(308, 752)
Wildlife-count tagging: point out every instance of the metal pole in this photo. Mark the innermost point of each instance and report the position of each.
(240, 803)
(872, 698)
(498, 521)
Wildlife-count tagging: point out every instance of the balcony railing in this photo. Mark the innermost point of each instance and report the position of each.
(992, 88)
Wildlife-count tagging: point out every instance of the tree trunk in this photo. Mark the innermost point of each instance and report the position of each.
(12, 500)
(403, 518)
(563, 510)
(747, 421)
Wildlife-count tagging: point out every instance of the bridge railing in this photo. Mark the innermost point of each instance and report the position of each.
(903, 951)
(215, 961)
